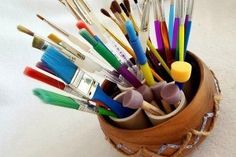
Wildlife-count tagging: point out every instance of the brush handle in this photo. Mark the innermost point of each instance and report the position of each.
(79, 42)
(115, 106)
(181, 42)
(171, 21)
(160, 45)
(175, 37)
(166, 42)
(140, 54)
(129, 76)
(187, 34)
(107, 55)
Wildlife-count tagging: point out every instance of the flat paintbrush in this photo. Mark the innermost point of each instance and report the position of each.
(68, 102)
(81, 82)
(41, 44)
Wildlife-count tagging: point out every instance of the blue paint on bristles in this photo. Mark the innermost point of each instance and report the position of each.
(65, 69)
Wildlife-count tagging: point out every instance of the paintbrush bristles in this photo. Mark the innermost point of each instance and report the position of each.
(127, 5)
(40, 17)
(38, 43)
(136, 1)
(25, 30)
(116, 7)
(106, 13)
(124, 9)
(54, 38)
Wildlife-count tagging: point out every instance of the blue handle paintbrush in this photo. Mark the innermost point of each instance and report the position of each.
(80, 81)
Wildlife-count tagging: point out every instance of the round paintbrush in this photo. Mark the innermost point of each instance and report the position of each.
(117, 7)
(25, 30)
(116, 10)
(107, 14)
(124, 9)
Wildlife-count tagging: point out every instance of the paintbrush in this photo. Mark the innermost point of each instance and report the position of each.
(65, 45)
(72, 10)
(111, 59)
(78, 41)
(82, 12)
(130, 14)
(106, 13)
(81, 82)
(68, 102)
(171, 20)
(140, 54)
(144, 29)
(176, 30)
(31, 33)
(115, 48)
(116, 13)
(159, 9)
(43, 67)
(181, 30)
(115, 5)
(157, 24)
(188, 22)
(124, 9)
(138, 8)
(41, 44)
(37, 75)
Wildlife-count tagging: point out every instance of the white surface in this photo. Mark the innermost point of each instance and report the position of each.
(29, 128)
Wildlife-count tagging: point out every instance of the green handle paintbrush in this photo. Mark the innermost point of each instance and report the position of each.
(64, 101)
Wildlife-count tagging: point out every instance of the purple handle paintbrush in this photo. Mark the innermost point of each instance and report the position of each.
(160, 45)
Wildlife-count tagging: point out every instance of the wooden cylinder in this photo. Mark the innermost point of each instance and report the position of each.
(199, 91)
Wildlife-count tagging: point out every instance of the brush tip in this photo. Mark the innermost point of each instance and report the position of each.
(24, 30)
(124, 9)
(136, 1)
(38, 43)
(40, 17)
(115, 7)
(106, 13)
(127, 5)
(54, 38)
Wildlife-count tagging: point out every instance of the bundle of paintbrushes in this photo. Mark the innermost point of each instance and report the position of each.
(150, 77)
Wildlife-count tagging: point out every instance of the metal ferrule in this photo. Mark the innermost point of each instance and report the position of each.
(71, 91)
(162, 7)
(86, 107)
(72, 50)
(190, 4)
(157, 10)
(177, 9)
(82, 12)
(83, 84)
(145, 17)
(182, 11)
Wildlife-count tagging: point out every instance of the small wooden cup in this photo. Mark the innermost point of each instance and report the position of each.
(179, 134)
(137, 120)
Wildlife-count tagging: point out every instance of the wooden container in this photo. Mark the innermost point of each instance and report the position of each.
(179, 134)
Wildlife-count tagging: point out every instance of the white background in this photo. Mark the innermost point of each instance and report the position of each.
(29, 128)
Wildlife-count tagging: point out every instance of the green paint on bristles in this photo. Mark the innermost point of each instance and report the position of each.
(55, 99)
(64, 101)
(101, 49)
